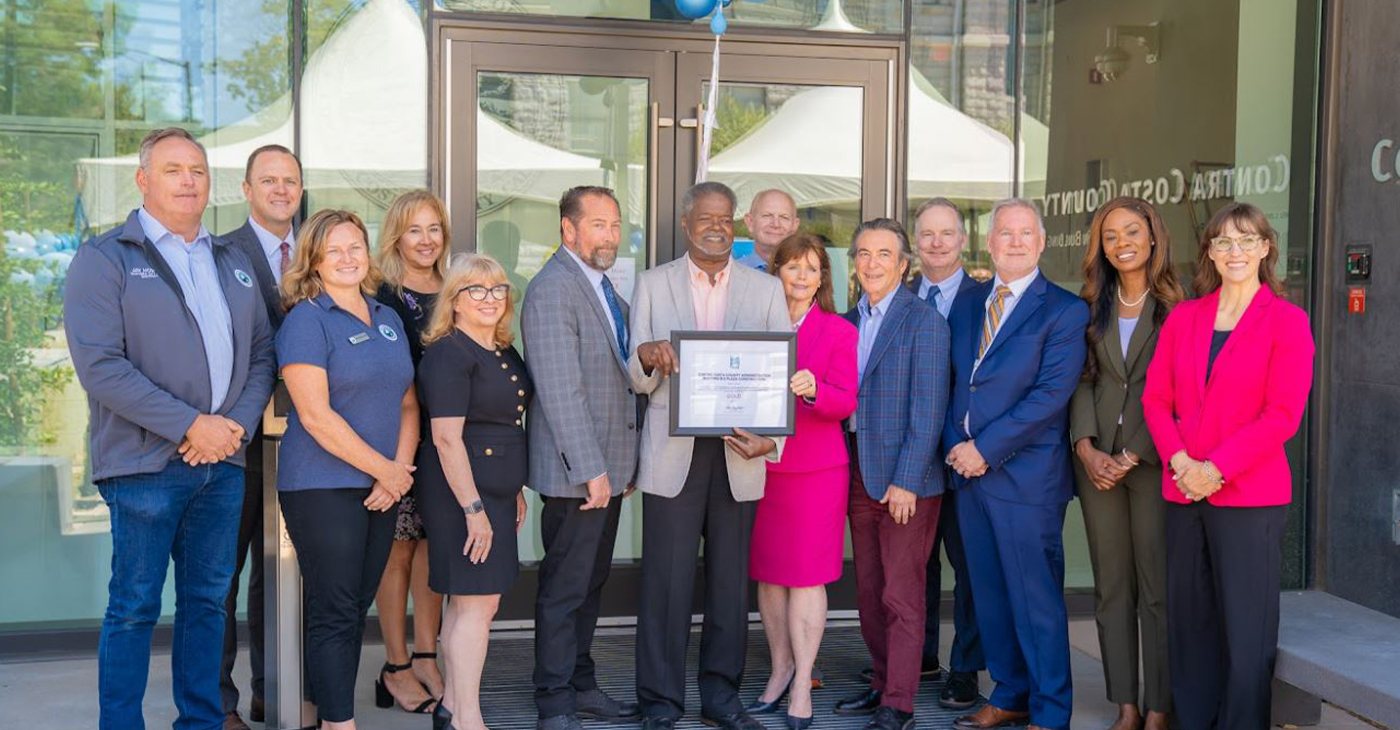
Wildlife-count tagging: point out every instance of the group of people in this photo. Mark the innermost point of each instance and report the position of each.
(939, 414)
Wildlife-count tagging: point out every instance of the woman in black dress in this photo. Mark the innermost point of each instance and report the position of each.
(475, 390)
(412, 258)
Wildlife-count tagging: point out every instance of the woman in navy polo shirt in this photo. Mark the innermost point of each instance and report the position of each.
(343, 466)
(475, 391)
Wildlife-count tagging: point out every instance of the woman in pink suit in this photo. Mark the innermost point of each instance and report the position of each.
(798, 534)
(1225, 390)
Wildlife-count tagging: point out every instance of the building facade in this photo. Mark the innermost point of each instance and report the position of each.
(858, 107)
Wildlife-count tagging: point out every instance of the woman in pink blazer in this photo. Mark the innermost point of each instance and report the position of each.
(1225, 390)
(799, 531)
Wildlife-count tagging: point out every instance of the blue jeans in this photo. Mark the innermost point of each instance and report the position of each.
(189, 513)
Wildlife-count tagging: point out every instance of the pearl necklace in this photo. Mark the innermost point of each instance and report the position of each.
(1129, 304)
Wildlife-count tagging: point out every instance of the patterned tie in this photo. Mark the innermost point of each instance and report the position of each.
(286, 256)
(619, 322)
(993, 319)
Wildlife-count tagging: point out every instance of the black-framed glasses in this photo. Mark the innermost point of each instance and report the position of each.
(478, 292)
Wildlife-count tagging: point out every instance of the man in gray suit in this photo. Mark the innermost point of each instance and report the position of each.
(272, 185)
(697, 487)
(583, 450)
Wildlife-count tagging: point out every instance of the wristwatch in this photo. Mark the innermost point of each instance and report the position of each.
(474, 507)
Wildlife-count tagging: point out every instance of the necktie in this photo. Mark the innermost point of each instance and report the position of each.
(618, 321)
(286, 256)
(933, 295)
(993, 318)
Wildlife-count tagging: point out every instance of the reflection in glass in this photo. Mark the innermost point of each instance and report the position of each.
(848, 16)
(80, 84)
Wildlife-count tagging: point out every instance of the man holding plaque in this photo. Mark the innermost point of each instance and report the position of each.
(897, 487)
(694, 487)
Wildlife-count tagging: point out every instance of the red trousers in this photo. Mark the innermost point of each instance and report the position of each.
(891, 569)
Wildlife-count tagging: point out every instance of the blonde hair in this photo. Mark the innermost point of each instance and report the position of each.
(396, 223)
(468, 269)
(301, 281)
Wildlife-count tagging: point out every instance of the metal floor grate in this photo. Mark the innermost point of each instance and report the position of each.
(508, 704)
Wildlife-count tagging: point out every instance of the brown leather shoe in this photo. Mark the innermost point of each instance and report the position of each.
(991, 717)
(233, 722)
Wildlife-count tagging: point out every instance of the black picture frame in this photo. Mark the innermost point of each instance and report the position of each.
(788, 339)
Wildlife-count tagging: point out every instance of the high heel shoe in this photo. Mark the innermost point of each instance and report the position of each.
(442, 717)
(384, 699)
(799, 723)
(760, 707)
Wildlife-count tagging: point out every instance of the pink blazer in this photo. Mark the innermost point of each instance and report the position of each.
(1252, 404)
(826, 345)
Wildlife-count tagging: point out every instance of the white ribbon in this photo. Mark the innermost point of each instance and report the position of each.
(702, 166)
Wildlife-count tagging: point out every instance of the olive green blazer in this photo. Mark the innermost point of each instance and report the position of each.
(1097, 404)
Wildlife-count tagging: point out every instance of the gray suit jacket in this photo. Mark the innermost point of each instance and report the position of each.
(662, 303)
(1117, 393)
(583, 420)
(247, 241)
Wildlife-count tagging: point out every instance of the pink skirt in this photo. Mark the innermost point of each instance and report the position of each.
(799, 532)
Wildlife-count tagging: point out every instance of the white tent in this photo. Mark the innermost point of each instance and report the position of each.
(364, 126)
(811, 147)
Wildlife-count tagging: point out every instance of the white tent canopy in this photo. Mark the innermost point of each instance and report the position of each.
(358, 85)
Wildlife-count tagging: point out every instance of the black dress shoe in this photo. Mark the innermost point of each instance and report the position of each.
(735, 721)
(759, 707)
(861, 704)
(658, 723)
(960, 692)
(558, 722)
(798, 723)
(888, 718)
(595, 704)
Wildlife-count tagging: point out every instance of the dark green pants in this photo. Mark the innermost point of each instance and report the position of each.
(1127, 547)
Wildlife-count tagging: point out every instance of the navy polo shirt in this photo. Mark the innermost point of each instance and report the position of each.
(368, 370)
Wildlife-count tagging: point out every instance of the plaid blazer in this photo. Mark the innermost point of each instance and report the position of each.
(903, 398)
(583, 420)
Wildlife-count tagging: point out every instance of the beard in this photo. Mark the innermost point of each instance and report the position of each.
(602, 259)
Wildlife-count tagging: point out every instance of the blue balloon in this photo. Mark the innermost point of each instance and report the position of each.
(718, 24)
(695, 8)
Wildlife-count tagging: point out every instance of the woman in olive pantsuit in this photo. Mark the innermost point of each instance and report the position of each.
(1130, 287)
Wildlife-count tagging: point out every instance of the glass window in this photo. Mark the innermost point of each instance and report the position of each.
(80, 84)
(848, 16)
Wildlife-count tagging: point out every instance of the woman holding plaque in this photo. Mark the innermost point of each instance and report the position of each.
(475, 390)
(800, 526)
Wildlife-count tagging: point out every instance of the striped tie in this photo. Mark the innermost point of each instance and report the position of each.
(993, 319)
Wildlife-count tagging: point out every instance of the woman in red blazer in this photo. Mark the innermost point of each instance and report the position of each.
(1225, 390)
(799, 531)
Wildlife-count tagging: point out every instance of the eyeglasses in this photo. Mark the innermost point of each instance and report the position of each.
(478, 292)
(1247, 244)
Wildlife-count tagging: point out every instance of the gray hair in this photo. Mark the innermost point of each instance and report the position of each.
(1009, 203)
(772, 191)
(906, 252)
(700, 190)
(939, 202)
(156, 136)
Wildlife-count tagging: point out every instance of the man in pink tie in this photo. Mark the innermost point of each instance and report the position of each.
(272, 185)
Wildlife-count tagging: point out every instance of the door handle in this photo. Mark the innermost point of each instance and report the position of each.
(653, 157)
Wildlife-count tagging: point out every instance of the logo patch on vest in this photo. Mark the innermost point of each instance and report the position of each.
(243, 278)
(388, 332)
(144, 272)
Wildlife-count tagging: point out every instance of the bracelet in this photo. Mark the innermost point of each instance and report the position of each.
(1130, 460)
(474, 507)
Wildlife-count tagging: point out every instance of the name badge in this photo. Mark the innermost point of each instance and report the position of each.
(357, 339)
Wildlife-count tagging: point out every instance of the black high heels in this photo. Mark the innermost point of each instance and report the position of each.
(384, 699)
(442, 717)
(760, 707)
(798, 723)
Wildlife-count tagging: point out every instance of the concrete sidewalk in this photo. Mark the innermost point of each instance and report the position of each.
(62, 693)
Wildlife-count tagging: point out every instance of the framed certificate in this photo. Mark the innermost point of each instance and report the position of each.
(730, 379)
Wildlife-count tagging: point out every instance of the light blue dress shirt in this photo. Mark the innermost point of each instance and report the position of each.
(194, 269)
(754, 261)
(947, 290)
(871, 317)
(272, 247)
(595, 278)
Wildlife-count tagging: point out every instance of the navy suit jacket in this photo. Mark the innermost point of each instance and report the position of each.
(902, 399)
(1017, 400)
(244, 238)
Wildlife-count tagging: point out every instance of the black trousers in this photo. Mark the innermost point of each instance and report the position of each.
(1224, 566)
(578, 547)
(966, 654)
(672, 528)
(250, 539)
(341, 549)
